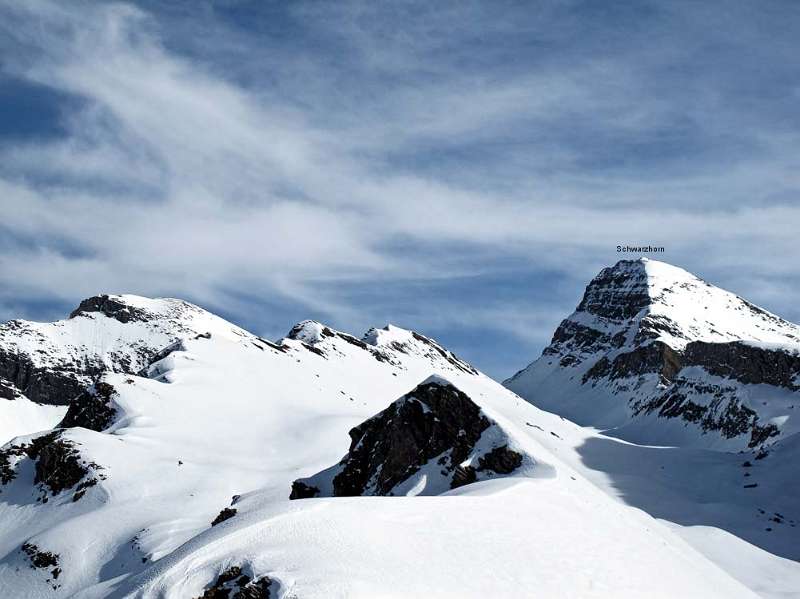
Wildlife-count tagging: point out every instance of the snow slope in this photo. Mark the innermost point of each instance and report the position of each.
(230, 421)
(22, 416)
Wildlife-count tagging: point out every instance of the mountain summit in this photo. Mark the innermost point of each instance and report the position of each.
(44, 366)
(665, 357)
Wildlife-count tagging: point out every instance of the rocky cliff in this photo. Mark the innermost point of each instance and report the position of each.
(664, 357)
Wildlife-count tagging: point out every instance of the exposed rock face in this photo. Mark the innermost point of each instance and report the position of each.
(653, 358)
(48, 385)
(44, 560)
(226, 514)
(746, 363)
(8, 390)
(435, 427)
(386, 449)
(670, 346)
(234, 584)
(92, 409)
(616, 293)
(58, 465)
(111, 307)
(301, 490)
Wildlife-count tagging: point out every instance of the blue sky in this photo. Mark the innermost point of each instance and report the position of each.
(458, 168)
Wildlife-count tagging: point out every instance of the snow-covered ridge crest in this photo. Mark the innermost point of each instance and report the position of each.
(664, 302)
(387, 344)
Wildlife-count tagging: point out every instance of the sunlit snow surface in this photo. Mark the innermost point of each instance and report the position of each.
(708, 313)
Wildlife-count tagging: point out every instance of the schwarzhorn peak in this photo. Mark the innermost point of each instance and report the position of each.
(650, 342)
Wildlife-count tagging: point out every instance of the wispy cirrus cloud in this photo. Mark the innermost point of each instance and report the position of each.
(275, 162)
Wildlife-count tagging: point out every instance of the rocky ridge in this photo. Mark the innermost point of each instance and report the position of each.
(433, 439)
(389, 344)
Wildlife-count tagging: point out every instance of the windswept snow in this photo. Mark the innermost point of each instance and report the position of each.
(21, 416)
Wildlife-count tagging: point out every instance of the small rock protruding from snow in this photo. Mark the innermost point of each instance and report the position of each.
(309, 331)
(437, 379)
(233, 582)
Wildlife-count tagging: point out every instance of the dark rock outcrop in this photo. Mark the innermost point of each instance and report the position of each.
(393, 445)
(44, 560)
(436, 421)
(745, 363)
(112, 308)
(572, 340)
(232, 583)
(226, 514)
(58, 465)
(655, 357)
(8, 390)
(618, 292)
(500, 460)
(724, 414)
(92, 409)
(300, 490)
(54, 385)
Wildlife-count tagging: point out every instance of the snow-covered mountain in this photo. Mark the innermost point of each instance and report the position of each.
(222, 464)
(134, 498)
(43, 366)
(662, 357)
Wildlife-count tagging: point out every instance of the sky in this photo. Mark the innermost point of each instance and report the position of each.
(462, 169)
